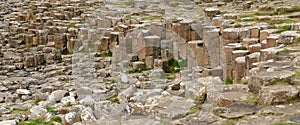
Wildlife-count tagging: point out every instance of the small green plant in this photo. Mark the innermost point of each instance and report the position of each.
(114, 100)
(228, 81)
(51, 109)
(173, 67)
(113, 81)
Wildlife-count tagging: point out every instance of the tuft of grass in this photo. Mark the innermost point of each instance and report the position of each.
(113, 81)
(36, 101)
(57, 119)
(228, 82)
(284, 28)
(51, 109)
(165, 121)
(106, 54)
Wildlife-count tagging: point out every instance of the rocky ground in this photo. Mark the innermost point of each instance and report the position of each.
(166, 62)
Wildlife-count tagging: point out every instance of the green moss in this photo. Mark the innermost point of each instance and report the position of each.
(228, 82)
(114, 100)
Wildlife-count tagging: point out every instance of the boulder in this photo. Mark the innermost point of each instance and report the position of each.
(275, 94)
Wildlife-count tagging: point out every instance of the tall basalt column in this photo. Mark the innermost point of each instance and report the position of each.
(227, 66)
(211, 39)
(198, 55)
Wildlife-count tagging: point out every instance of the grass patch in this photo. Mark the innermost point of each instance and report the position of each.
(171, 76)
(280, 82)
(129, 3)
(51, 109)
(153, 17)
(68, 104)
(165, 122)
(287, 51)
(106, 54)
(230, 122)
(114, 100)
(39, 121)
(71, 25)
(138, 70)
(228, 82)
(288, 10)
(295, 42)
(194, 109)
(20, 112)
(252, 100)
(284, 28)
(57, 119)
